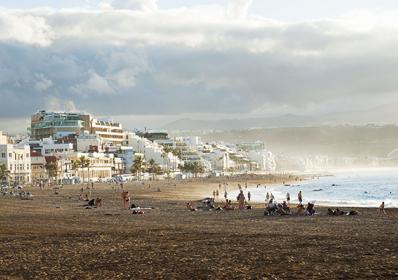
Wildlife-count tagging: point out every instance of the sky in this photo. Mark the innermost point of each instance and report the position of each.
(148, 62)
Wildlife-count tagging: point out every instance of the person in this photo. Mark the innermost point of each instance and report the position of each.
(217, 194)
(310, 210)
(241, 199)
(267, 197)
(92, 185)
(272, 196)
(228, 205)
(214, 194)
(248, 196)
(271, 208)
(190, 207)
(300, 209)
(126, 199)
(285, 208)
(382, 209)
(288, 198)
(300, 197)
(225, 195)
(98, 202)
(219, 186)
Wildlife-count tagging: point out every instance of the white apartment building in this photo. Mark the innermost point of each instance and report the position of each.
(153, 151)
(265, 160)
(48, 147)
(110, 132)
(102, 166)
(17, 160)
(3, 139)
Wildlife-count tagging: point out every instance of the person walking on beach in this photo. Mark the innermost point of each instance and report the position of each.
(241, 199)
(288, 198)
(217, 194)
(382, 209)
(214, 194)
(226, 195)
(272, 196)
(300, 197)
(267, 197)
(248, 196)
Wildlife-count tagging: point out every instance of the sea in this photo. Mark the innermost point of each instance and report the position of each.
(355, 188)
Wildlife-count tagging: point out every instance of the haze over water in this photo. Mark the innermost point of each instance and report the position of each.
(362, 187)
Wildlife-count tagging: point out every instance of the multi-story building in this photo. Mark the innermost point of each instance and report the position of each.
(56, 125)
(110, 132)
(3, 139)
(63, 125)
(38, 164)
(17, 160)
(101, 166)
(48, 147)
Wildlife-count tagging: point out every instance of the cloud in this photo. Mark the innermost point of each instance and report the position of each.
(43, 83)
(238, 8)
(145, 5)
(136, 59)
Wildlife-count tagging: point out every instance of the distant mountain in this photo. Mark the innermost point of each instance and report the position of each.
(231, 124)
(381, 114)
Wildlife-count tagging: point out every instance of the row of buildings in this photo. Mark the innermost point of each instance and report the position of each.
(57, 143)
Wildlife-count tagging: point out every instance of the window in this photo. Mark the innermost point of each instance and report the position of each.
(10, 155)
(3, 155)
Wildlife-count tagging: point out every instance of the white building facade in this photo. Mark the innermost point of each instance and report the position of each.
(17, 160)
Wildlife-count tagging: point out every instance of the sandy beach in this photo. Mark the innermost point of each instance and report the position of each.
(54, 236)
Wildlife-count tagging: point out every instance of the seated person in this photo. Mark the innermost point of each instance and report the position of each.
(310, 211)
(271, 208)
(98, 202)
(286, 207)
(300, 209)
(331, 212)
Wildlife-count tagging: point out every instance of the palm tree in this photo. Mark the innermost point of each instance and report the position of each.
(52, 169)
(154, 168)
(82, 163)
(4, 173)
(137, 166)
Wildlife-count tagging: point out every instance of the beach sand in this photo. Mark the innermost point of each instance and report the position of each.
(55, 237)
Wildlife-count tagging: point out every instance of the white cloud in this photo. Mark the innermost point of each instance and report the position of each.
(43, 83)
(98, 84)
(200, 59)
(24, 28)
(145, 5)
(238, 9)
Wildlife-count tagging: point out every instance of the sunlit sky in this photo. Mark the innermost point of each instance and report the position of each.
(148, 62)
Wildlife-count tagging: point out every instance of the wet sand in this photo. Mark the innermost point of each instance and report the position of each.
(56, 237)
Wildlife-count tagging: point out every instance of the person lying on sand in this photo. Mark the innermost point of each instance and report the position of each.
(339, 212)
(97, 202)
(190, 207)
(228, 205)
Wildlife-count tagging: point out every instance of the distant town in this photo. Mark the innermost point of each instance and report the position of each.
(71, 148)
